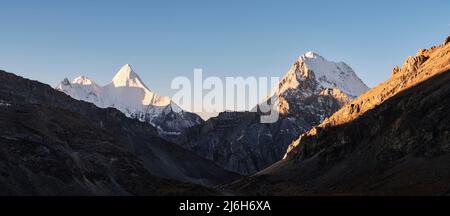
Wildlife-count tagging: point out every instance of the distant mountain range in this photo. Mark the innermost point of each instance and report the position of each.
(128, 93)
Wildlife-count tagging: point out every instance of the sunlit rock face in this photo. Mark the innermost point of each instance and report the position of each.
(426, 63)
(312, 90)
(391, 140)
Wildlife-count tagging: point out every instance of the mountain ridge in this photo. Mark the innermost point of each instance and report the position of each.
(160, 158)
(128, 93)
(392, 140)
(239, 142)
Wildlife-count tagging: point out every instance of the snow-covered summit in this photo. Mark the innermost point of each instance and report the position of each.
(310, 78)
(83, 80)
(128, 93)
(326, 74)
(127, 77)
(311, 55)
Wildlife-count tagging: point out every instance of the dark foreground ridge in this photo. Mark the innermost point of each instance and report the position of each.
(51, 144)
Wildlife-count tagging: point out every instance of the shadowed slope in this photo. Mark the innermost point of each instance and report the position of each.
(159, 157)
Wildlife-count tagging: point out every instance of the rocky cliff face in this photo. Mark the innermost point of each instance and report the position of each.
(53, 144)
(312, 90)
(238, 141)
(394, 139)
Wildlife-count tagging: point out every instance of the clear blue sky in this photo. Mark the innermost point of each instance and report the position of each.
(50, 40)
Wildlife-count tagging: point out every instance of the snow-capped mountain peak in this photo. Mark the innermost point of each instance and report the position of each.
(127, 77)
(128, 93)
(83, 80)
(311, 76)
(328, 74)
(311, 55)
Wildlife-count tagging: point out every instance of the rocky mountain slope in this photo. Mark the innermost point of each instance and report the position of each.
(392, 140)
(53, 144)
(312, 90)
(128, 93)
(50, 151)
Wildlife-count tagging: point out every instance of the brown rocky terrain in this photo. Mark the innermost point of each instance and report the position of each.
(392, 140)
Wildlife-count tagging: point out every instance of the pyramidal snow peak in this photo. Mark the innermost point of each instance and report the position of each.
(127, 85)
(126, 77)
(128, 93)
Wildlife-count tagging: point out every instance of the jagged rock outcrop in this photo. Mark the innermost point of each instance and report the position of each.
(312, 90)
(447, 40)
(392, 140)
(51, 144)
